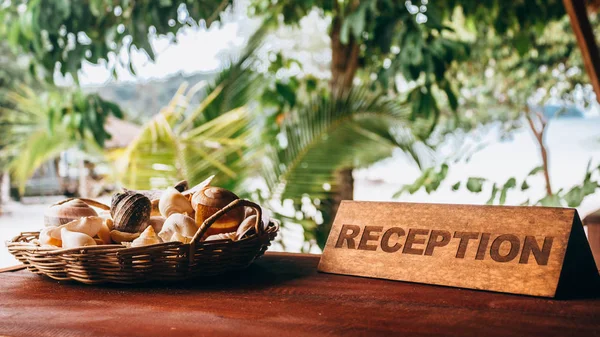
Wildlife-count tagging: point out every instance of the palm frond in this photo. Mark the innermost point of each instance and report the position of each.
(214, 138)
(27, 141)
(353, 129)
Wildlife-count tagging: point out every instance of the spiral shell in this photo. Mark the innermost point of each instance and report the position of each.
(75, 239)
(148, 237)
(66, 211)
(172, 201)
(208, 201)
(178, 223)
(90, 225)
(46, 237)
(130, 211)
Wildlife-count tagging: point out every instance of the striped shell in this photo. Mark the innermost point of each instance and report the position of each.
(66, 211)
(130, 211)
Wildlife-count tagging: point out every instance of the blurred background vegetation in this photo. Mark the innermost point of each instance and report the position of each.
(290, 116)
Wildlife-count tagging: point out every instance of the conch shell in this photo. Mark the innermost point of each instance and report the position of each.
(70, 209)
(130, 211)
(208, 201)
(75, 239)
(90, 225)
(181, 238)
(172, 201)
(178, 223)
(118, 236)
(46, 238)
(148, 237)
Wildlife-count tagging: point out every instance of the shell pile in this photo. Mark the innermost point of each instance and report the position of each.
(141, 218)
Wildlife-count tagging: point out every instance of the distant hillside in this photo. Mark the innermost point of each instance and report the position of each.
(141, 100)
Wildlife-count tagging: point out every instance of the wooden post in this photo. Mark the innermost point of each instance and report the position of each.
(585, 39)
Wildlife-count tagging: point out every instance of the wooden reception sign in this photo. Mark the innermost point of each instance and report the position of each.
(523, 250)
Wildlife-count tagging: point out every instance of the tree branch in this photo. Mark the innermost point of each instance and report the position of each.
(539, 135)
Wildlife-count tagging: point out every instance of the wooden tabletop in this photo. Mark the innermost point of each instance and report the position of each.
(281, 295)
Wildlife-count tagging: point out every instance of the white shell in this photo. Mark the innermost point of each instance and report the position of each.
(178, 223)
(148, 237)
(172, 201)
(245, 226)
(181, 238)
(90, 225)
(47, 239)
(222, 236)
(75, 239)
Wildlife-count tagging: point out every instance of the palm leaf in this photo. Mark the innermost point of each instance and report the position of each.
(27, 141)
(353, 129)
(212, 139)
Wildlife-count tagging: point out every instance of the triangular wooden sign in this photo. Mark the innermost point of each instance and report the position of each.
(537, 251)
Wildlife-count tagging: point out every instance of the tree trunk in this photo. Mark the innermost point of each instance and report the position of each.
(344, 59)
(344, 64)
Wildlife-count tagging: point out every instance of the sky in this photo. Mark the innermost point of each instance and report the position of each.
(196, 50)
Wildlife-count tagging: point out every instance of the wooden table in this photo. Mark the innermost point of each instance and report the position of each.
(281, 295)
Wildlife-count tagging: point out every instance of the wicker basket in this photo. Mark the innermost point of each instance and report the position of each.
(170, 261)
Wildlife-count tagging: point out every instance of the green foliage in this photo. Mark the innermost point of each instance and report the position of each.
(26, 141)
(83, 114)
(571, 198)
(430, 180)
(330, 133)
(475, 184)
(69, 33)
(215, 138)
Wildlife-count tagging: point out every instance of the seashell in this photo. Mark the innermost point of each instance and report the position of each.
(154, 208)
(157, 223)
(75, 239)
(208, 201)
(118, 236)
(148, 237)
(66, 211)
(181, 238)
(181, 186)
(248, 211)
(154, 195)
(88, 225)
(247, 225)
(130, 211)
(109, 223)
(46, 239)
(222, 236)
(189, 193)
(178, 223)
(104, 234)
(172, 201)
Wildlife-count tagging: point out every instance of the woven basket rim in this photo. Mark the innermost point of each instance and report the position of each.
(16, 244)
